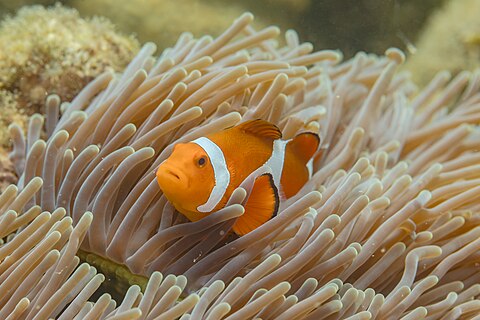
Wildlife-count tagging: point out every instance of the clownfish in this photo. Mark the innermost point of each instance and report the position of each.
(199, 177)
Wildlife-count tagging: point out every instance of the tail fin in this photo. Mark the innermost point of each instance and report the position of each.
(305, 145)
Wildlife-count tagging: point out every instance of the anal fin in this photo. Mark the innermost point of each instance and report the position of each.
(261, 205)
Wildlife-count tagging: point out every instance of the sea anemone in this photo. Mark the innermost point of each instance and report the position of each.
(385, 229)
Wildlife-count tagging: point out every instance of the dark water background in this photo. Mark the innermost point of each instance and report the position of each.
(348, 25)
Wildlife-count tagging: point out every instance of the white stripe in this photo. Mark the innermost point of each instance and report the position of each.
(277, 159)
(310, 168)
(220, 171)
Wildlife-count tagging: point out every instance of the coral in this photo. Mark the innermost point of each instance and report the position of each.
(10, 112)
(54, 51)
(387, 228)
(7, 173)
(449, 41)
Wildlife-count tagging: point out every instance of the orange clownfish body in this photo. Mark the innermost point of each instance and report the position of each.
(200, 176)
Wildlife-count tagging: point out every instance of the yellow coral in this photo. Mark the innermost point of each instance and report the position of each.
(448, 42)
(53, 50)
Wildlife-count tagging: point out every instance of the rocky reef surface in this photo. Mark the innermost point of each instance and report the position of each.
(450, 41)
(53, 51)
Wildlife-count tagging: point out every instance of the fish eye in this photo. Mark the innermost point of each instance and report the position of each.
(201, 161)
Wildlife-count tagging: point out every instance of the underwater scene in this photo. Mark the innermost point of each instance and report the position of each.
(213, 159)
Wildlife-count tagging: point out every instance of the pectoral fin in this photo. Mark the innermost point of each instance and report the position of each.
(262, 204)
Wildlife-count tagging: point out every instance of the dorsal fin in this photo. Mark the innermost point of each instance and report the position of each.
(261, 128)
(305, 145)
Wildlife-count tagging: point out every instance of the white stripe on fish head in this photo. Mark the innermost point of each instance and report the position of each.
(220, 171)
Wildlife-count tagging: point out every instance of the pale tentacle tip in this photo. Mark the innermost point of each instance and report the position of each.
(247, 17)
(424, 197)
(274, 259)
(13, 126)
(36, 181)
(275, 30)
(84, 222)
(130, 127)
(36, 116)
(150, 46)
(396, 55)
(53, 99)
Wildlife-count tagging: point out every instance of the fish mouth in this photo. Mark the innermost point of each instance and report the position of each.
(172, 174)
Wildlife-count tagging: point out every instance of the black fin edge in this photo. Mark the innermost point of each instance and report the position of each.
(275, 189)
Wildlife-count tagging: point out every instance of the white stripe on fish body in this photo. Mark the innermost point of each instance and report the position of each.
(220, 170)
(277, 160)
(310, 167)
